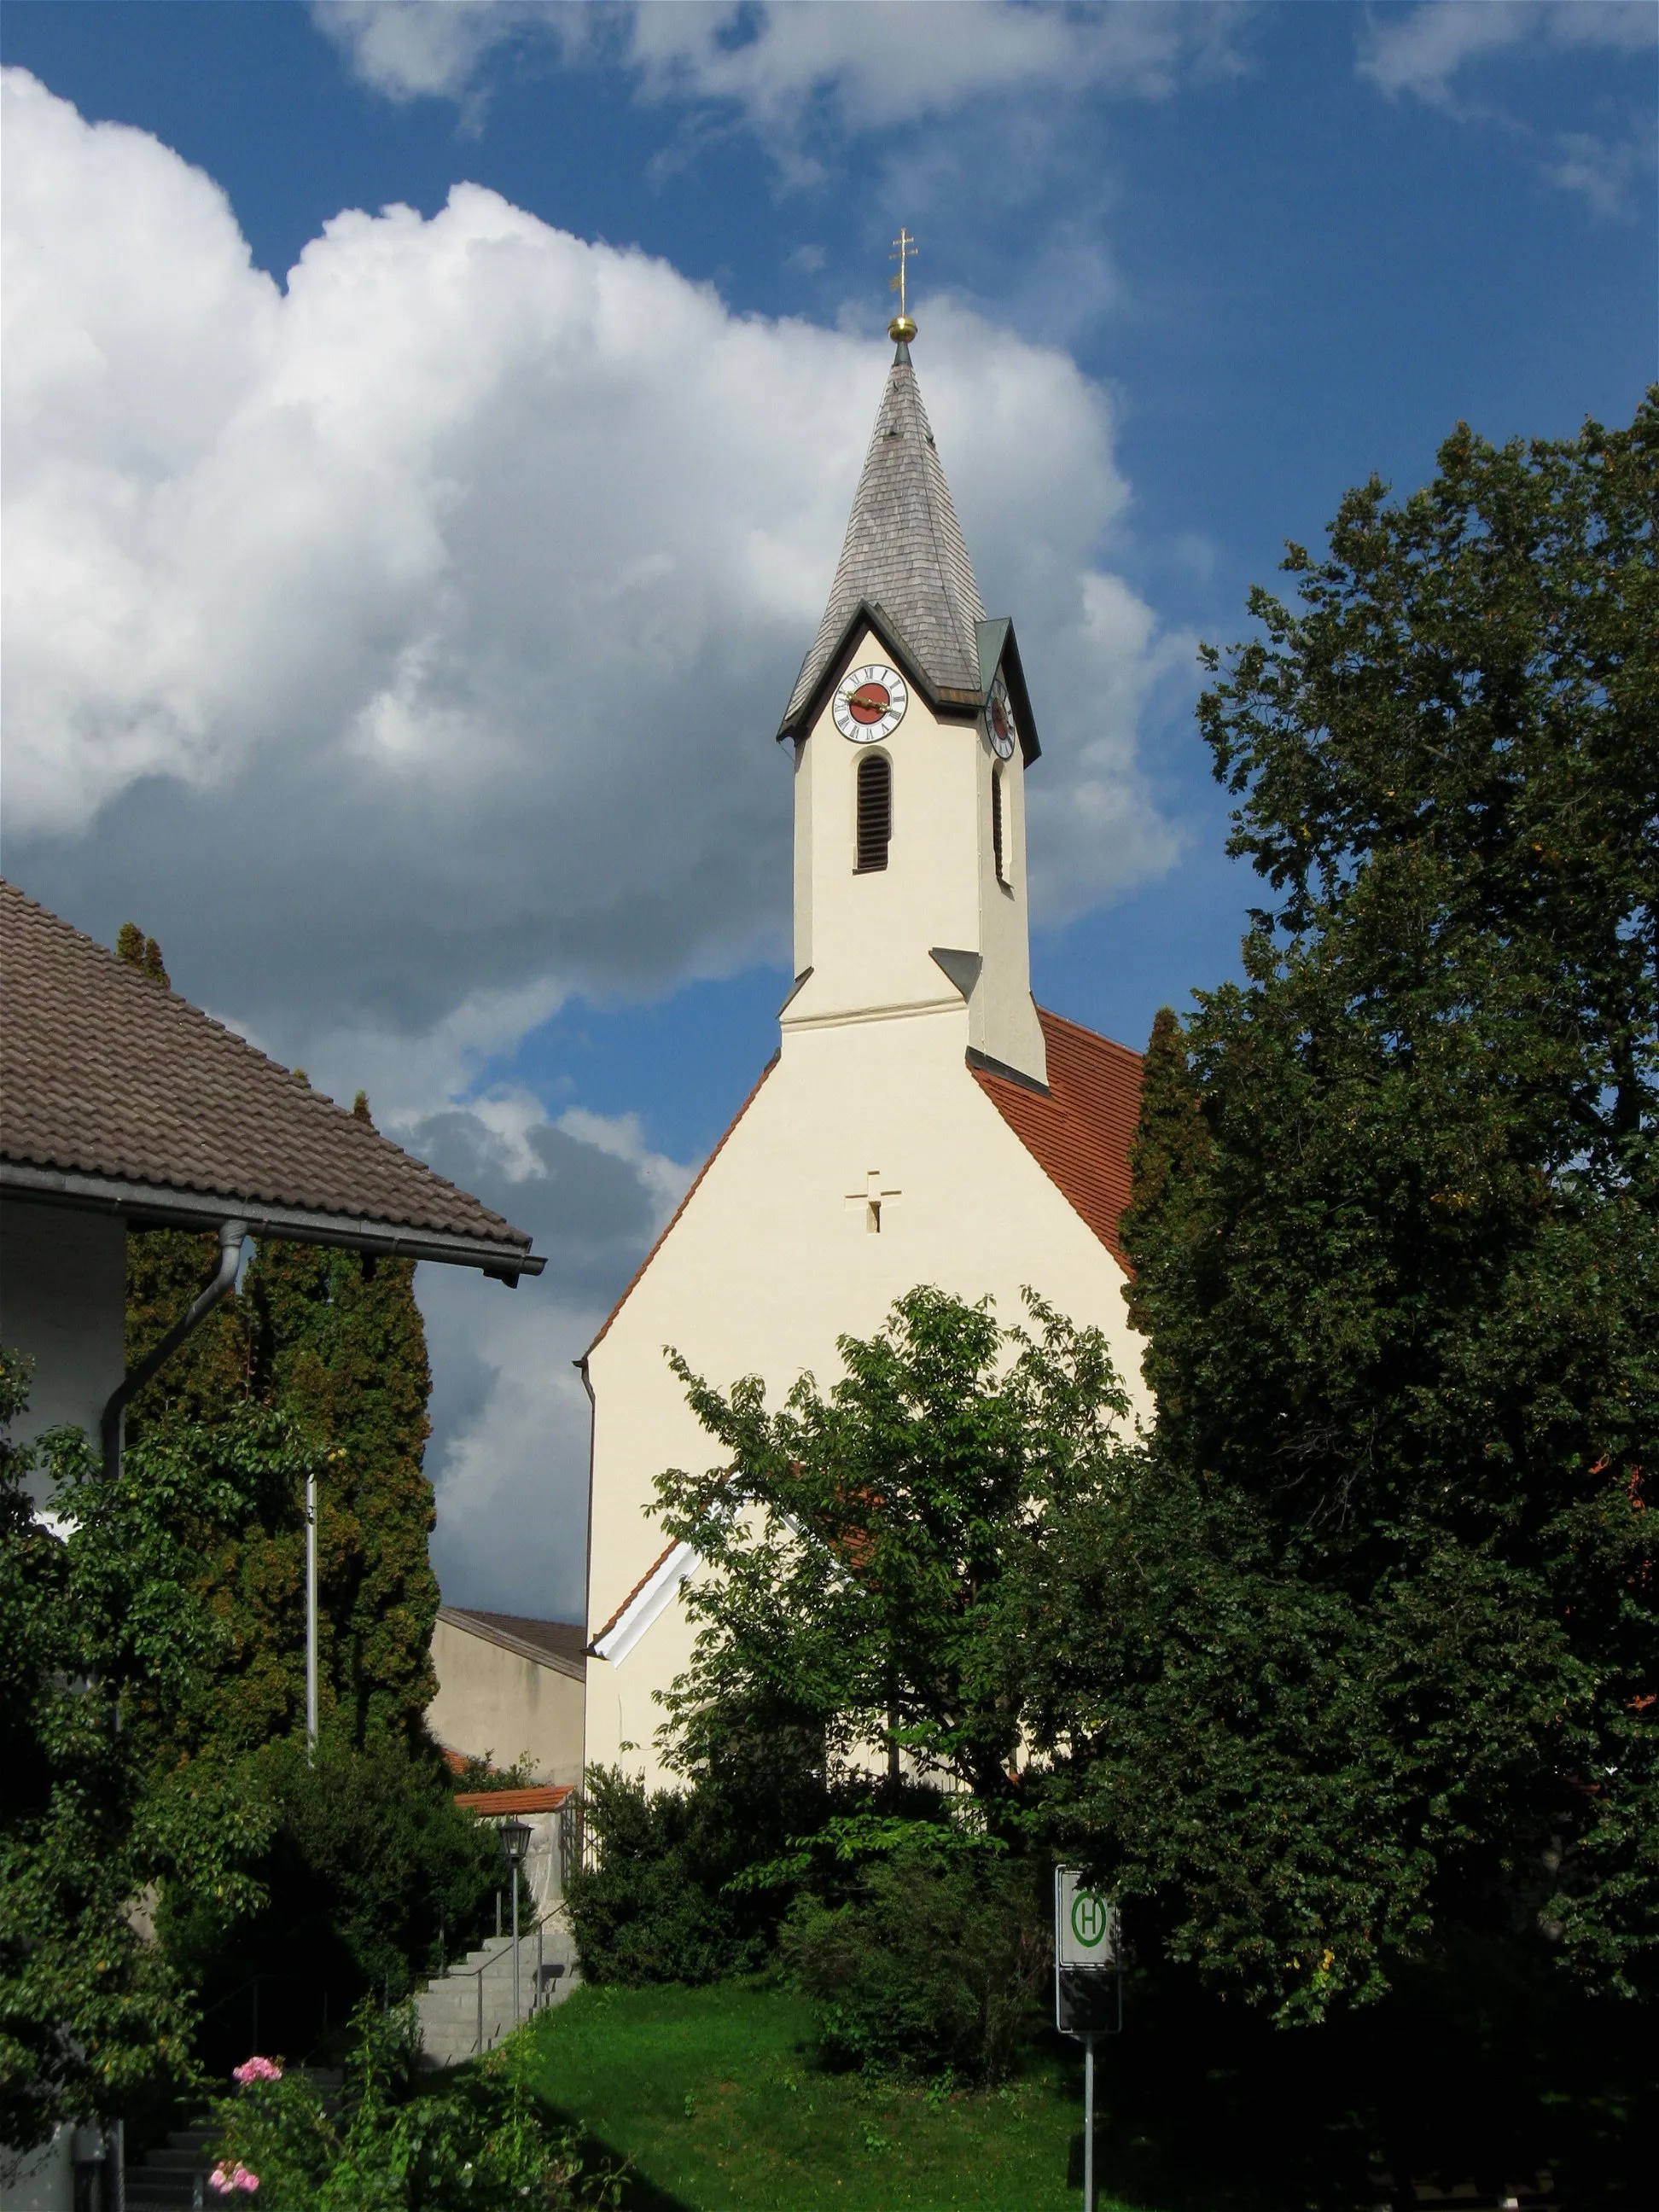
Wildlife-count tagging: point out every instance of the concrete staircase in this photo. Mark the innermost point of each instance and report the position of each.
(469, 2009)
(174, 2175)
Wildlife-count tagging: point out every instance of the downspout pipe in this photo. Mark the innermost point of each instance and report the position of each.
(232, 1235)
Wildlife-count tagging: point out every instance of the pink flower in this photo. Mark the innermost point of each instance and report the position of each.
(257, 2070)
(225, 2178)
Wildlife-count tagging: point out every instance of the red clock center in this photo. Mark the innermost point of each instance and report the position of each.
(869, 703)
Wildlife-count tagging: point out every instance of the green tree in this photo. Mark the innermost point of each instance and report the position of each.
(335, 1340)
(107, 1653)
(1396, 1257)
(865, 1546)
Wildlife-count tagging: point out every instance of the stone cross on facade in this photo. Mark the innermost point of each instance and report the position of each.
(870, 1201)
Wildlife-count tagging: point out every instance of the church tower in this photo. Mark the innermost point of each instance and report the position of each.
(922, 1122)
(912, 734)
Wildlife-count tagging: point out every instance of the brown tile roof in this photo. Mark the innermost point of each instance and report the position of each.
(115, 1090)
(502, 1804)
(638, 1274)
(1079, 1134)
(559, 1644)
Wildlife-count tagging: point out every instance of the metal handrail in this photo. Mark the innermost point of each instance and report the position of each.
(477, 1972)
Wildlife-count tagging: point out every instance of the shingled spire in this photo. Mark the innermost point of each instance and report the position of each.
(904, 554)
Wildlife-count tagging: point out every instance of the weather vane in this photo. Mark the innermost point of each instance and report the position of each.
(902, 329)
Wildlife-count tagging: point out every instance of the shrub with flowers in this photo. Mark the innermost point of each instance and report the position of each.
(481, 2141)
(227, 2179)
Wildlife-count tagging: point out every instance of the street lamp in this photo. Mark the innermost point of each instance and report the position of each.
(515, 1842)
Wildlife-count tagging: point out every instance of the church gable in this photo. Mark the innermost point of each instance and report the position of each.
(1078, 1132)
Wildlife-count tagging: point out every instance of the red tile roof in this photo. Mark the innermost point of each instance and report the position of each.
(1079, 1134)
(661, 1560)
(113, 1089)
(502, 1804)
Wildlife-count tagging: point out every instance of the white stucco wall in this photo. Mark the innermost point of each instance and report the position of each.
(868, 938)
(496, 1703)
(62, 1300)
(774, 1257)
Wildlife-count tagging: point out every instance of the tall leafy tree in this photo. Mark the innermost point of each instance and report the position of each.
(1394, 1237)
(334, 1341)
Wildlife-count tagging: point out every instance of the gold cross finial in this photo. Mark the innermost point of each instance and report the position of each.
(901, 328)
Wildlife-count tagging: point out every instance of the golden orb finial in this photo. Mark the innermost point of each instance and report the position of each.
(902, 329)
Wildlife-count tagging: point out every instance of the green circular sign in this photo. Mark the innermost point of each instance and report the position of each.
(1088, 1920)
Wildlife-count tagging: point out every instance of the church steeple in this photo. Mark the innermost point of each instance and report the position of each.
(912, 732)
(903, 553)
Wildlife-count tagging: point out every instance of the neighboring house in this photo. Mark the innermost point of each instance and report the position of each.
(922, 1122)
(121, 1105)
(510, 1690)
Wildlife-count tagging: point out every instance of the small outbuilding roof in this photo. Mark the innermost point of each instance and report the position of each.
(560, 1644)
(117, 1094)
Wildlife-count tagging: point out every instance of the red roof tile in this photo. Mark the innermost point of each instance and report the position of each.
(661, 1560)
(1079, 1134)
(108, 1076)
(502, 1804)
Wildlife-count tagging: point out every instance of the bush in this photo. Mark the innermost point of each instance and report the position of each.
(928, 1969)
(372, 1875)
(656, 1907)
(484, 2144)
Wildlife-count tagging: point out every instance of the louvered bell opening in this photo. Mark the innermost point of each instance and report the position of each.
(875, 812)
(996, 823)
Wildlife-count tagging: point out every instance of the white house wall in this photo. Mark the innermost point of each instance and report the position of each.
(774, 1256)
(63, 1301)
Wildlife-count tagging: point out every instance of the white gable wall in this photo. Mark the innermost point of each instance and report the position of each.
(774, 1257)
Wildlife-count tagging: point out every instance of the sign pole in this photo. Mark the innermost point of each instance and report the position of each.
(1089, 2124)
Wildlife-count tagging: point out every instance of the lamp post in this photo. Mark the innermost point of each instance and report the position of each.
(515, 1842)
(311, 1616)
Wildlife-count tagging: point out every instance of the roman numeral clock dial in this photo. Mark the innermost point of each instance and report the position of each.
(870, 702)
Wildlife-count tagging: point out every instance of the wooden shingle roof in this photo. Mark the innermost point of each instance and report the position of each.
(116, 1093)
(904, 553)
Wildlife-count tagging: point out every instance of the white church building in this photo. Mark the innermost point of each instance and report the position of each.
(923, 1121)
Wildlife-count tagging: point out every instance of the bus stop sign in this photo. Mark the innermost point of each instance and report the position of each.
(1088, 1958)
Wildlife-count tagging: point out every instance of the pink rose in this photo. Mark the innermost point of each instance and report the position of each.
(225, 2178)
(257, 2070)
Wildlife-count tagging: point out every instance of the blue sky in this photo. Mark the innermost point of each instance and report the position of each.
(312, 702)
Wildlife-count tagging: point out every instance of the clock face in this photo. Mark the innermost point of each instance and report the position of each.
(870, 702)
(1000, 721)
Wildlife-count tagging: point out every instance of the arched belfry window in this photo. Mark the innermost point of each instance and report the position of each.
(875, 823)
(997, 843)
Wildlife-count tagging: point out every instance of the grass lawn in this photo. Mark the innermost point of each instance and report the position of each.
(1460, 2088)
(711, 2092)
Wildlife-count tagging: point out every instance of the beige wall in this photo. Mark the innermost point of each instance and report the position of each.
(868, 939)
(773, 1258)
(494, 1703)
(62, 1300)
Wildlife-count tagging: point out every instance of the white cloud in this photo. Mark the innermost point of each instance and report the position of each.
(1422, 51)
(509, 1455)
(404, 648)
(427, 623)
(870, 65)
(1605, 172)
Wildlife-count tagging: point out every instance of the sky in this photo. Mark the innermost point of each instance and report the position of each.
(427, 433)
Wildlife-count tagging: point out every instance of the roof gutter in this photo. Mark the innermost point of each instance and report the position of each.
(231, 1236)
(155, 1206)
